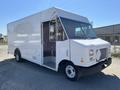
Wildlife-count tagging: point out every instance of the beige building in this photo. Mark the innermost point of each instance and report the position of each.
(110, 33)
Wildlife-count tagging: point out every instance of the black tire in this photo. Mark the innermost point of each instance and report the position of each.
(18, 56)
(71, 72)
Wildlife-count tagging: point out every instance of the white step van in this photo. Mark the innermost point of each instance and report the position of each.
(59, 40)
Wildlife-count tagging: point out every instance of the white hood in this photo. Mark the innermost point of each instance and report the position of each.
(81, 49)
(90, 42)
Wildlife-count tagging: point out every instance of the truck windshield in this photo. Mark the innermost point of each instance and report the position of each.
(78, 30)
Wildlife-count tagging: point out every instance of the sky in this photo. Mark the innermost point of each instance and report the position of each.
(100, 12)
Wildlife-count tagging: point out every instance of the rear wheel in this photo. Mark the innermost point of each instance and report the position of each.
(71, 72)
(18, 56)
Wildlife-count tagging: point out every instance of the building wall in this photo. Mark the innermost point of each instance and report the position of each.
(109, 33)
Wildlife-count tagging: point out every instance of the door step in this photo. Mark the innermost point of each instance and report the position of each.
(50, 61)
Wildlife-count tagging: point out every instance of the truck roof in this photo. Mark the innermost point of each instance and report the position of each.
(52, 12)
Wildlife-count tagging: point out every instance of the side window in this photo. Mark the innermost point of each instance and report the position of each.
(60, 34)
(56, 31)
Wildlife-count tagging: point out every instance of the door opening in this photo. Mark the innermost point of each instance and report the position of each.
(49, 44)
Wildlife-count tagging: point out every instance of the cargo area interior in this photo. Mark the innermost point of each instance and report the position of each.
(49, 44)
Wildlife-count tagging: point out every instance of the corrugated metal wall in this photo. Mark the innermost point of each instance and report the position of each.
(110, 33)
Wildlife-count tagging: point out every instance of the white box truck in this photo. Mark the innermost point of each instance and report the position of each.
(59, 40)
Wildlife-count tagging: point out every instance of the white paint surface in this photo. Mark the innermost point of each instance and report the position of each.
(29, 30)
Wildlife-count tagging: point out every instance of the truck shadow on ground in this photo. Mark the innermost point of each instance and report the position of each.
(29, 76)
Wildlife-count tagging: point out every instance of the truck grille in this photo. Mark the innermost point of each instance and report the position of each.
(103, 53)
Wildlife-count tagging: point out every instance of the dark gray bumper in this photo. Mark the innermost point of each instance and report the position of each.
(83, 71)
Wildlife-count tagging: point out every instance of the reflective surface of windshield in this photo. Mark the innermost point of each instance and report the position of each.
(78, 30)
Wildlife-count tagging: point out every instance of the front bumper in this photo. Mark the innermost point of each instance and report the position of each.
(84, 71)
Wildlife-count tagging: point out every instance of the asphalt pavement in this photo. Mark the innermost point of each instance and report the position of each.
(29, 76)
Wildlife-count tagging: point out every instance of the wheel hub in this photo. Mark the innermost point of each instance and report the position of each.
(70, 71)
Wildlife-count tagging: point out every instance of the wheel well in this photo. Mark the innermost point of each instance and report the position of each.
(62, 65)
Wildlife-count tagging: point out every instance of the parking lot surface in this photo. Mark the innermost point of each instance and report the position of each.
(29, 76)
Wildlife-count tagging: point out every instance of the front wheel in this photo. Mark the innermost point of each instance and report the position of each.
(71, 72)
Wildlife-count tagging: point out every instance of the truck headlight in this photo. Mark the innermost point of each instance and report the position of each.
(91, 52)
